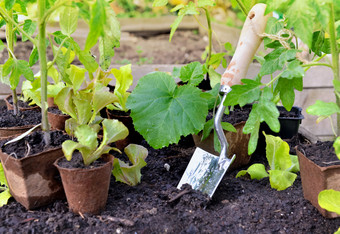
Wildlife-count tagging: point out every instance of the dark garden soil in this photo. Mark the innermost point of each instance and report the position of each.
(8, 119)
(156, 206)
(55, 110)
(21, 103)
(77, 162)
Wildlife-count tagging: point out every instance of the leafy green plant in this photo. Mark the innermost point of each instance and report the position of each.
(4, 190)
(329, 200)
(282, 165)
(14, 68)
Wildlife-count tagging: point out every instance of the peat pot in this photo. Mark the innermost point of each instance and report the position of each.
(13, 131)
(315, 178)
(238, 145)
(57, 121)
(10, 106)
(33, 180)
(87, 189)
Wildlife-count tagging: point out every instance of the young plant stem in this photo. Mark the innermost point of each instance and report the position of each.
(210, 37)
(10, 45)
(43, 68)
(243, 8)
(335, 58)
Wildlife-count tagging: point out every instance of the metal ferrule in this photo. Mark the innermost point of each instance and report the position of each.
(225, 89)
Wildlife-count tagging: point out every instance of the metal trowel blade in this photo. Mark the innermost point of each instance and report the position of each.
(203, 172)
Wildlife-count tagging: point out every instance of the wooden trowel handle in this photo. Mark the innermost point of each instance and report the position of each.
(249, 41)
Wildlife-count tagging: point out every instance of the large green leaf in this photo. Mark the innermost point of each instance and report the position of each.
(242, 94)
(124, 80)
(321, 108)
(330, 200)
(130, 175)
(163, 112)
(109, 40)
(68, 20)
(281, 180)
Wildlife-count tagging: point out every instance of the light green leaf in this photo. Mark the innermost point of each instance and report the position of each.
(215, 77)
(4, 197)
(330, 200)
(130, 175)
(294, 70)
(76, 76)
(124, 80)
(322, 10)
(281, 180)
(205, 3)
(101, 98)
(29, 27)
(256, 171)
(277, 153)
(25, 69)
(53, 90)
(242, 94)
(175, 25)
(159, 3)
(64, 100)
(97, 23)
(68, 20)
(68, 148)
(87, 136)
(321, 108)
(3, 181)
(83, 105)
(113, 131)
(336, 146)
(34, 56)
(208, 127)
(216, 59)
(192, 73)
(295, 164)
(163, 112)
(109, 40)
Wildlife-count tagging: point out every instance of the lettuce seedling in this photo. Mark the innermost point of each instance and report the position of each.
(88, 145)
(282, 165)
(4, 190)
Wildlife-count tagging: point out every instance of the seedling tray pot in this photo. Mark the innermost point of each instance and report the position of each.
(87, 189)
(238, 145)
(10, 106)
(57, 121)
(13, 131)
(315, 178)
(33, 180)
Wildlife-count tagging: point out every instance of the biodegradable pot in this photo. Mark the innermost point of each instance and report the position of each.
(315, 178)
(32, 180)
(57, 121)
(50, 102)
(133, 137)
(10, 106)
(87, 189)
(238, 145)
(13, 131)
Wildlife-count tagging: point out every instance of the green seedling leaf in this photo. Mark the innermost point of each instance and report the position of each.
(321, 108)
(268, 111)
(192, 73)
(295, 164)
(252, 127)
(64, 100)
(83, 108)
(175, 25)
(336, 146)
(216, 59)
(9, 4)
(76, 76)
(124, 80)
(276, 60)
(34, 57)
(277, 153)
(53, 90)
(242, 94)
(159, 3)
(280, 180)
(205, 3)
(228, 127)
(208, 127)
(294, 70)
(163, 112)
(5, 195)
(114, 131)
(29, 27)
(110, 39)
(68, 20)
(256, 171)
(2, 46)
(336, 84)
(329, 200)
(215, 77)
(97, 23)
(130, 175)
(101, 98)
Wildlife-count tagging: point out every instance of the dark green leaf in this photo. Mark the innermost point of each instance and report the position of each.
(252, 127)
(228, 127)
(286, 89)
(34, 56)
(163, 112)
(243, 94)
(208, 127)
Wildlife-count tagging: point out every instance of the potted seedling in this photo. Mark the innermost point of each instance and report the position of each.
(311, 27)
(29, 163)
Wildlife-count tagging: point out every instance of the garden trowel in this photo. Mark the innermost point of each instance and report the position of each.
(205, 171)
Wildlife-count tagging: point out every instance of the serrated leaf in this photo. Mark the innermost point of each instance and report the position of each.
(280, 180)
(321, 108)
(163, 112)
(267, 110)
(242, 94)
(301, 16)
(25, 70)
(216, 59)
(256, 171)
(252, 127)
(29, 27)
(192, 73)
(293, 70)
(329, 200)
